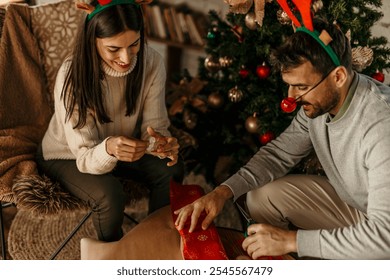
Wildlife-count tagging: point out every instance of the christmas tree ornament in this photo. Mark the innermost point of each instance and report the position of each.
(250, 21)
(252, 124)
(211, 35)
(266, 137)
(288, 104)
(243, 72)
(190, 119)
(239, 6)
(379, 76)
(235, 94)
(215, 100)
(263, 71)
(259, 11)
(283, 17)
(186, 93)
(225, 61)
(212, 64)
(317, 5)
(237, 30)
(355, 10)
(362, 57)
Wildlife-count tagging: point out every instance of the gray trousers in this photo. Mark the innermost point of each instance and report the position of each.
(104, 193)
(303, 201)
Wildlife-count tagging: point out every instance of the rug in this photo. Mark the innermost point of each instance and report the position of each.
(36, 238)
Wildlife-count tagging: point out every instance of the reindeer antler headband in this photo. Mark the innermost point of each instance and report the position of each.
(104, 4)
(323, 37)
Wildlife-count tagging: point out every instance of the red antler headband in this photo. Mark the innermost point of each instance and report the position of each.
(323, 38)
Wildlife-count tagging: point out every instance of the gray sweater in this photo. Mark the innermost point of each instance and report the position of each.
(354, 150)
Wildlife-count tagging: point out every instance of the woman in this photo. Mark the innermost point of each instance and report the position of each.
(110, 118)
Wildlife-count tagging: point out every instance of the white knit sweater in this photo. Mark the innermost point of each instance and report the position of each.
(88, 144)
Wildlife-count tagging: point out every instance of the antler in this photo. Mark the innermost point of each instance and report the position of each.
(304, 7)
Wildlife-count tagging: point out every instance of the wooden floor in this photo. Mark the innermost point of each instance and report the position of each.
(8, 215)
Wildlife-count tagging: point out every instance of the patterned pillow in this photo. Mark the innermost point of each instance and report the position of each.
(55, 27)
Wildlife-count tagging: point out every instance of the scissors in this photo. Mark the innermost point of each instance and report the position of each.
(249, 220)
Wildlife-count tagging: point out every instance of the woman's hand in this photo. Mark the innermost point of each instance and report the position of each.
(268, 240)
(126, 149)
(212, 203)
(165, 147)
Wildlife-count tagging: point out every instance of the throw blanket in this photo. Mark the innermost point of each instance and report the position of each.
(24, 109)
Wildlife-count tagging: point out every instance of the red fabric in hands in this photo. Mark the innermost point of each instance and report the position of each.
(199, 244)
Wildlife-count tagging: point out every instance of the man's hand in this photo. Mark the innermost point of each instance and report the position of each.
(212, 203)
(267, 240)
(126, 149)
(166, 147)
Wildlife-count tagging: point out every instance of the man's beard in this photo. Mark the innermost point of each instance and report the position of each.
(331, 100)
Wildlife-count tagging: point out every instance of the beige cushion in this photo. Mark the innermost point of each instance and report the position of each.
(55, 26)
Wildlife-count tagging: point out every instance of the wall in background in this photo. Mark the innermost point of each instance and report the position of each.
(382, 28)
(190, 57)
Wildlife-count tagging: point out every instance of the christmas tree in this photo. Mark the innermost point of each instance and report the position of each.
(233, 107)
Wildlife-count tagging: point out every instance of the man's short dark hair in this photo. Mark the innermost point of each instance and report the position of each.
(301, 47)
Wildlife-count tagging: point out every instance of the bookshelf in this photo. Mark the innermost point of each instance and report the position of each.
(174, 27)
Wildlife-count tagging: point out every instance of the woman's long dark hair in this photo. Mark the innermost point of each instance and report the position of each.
(82, 88)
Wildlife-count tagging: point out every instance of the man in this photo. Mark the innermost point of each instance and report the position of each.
(345, 119)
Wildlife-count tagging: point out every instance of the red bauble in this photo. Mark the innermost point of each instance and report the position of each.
(288, 105)
(243, 73)
(266, 137)
(379, 76)
(263, 71)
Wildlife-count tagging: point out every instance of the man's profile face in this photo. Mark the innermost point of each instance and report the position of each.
(316, 94)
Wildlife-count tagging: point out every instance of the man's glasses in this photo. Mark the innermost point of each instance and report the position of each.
(289, 104)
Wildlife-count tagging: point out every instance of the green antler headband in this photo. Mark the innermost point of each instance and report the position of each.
(323, 37)
(104, 4)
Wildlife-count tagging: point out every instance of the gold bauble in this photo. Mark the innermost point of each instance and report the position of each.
(235, 94)
(212, 64)
(225, 61)
(317, 5)
(215, 100)
(250, 21)
(252, 124)
(283, 18)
